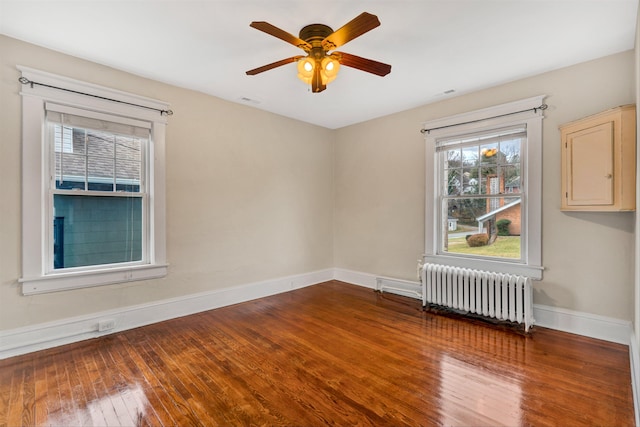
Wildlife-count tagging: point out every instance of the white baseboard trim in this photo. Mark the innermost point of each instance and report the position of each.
(634, 359)
(24, 340)
(14, 342)
(355, 277)
(580, 323)
(575, 322)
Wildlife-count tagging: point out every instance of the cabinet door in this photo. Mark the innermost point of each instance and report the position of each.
(589, 166)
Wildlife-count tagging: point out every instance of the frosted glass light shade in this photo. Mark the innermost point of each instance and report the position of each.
(305, 69)
(330, 68)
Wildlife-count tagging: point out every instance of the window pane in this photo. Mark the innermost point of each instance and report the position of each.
(471, 183)
(90, 230)
(453, 158)
(511, 151)
(489, 154)
(128, 164)
(470, 156)
(128, 148)
(454, 182)
(100, 159)
(79, 146)
(486, 227)
(488, 180)
(70, 170)
(465, 211)
(97, 160)
(510, 179)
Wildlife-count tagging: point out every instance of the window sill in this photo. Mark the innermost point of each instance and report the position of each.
(534, 272)
(84, 279)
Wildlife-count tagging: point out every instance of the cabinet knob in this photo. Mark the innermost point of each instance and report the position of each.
(609, 176)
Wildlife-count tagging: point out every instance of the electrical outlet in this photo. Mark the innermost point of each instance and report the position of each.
(106, 324)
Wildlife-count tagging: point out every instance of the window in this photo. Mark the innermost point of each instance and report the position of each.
(93, 186)
(476, 173)
(97, 191)
(484, 189)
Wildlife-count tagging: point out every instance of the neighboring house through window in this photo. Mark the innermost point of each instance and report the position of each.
(93, 186)
(485, 175)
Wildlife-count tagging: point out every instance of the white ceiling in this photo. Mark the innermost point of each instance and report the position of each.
(433, 45)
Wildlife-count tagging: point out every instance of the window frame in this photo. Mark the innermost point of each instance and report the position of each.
(524, 112)
(37, 277)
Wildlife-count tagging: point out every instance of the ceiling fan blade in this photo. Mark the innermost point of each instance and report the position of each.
(352, 29)
(281, 34)
(273, 65)
(364, 64)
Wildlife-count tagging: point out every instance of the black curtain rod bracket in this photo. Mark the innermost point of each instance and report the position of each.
(26, 81)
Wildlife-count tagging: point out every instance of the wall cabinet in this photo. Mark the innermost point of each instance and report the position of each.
(599, 162)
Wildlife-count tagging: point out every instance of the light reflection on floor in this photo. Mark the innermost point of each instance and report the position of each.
(471, 395)
(122, 408)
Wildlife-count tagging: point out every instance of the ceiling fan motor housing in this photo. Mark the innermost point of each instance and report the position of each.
(315, 33)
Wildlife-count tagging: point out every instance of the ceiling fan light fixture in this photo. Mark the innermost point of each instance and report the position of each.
(330, 68)
(305, 69)
(319, 67)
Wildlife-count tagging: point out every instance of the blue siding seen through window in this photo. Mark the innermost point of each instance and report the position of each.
(98, 230)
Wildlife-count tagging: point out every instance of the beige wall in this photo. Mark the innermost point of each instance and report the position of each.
(248, 199)
(379, 204)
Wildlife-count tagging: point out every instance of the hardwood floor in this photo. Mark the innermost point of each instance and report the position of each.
(327, 354)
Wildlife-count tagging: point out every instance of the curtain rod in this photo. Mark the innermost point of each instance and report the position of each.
(535, 110)
(26, 81)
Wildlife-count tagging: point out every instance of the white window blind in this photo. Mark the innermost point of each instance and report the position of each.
(483, 138)
(63, 139)
(74, 117)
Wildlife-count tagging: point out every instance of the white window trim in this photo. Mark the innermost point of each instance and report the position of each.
(35, 185)
(510, 114)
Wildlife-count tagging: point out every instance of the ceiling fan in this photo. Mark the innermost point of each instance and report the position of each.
(319, 67)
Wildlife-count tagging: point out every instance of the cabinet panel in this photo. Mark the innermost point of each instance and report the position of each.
(590, 166)
(599, 162)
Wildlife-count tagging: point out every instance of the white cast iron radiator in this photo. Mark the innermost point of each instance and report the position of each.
(501, 296)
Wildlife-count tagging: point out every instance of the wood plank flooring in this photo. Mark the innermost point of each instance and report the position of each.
(328, 354)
